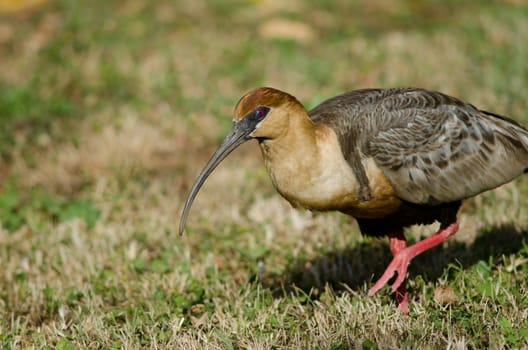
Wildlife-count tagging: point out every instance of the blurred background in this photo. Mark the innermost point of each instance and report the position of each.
(108, 109)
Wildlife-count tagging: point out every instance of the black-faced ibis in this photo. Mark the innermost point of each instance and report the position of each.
(390, 158)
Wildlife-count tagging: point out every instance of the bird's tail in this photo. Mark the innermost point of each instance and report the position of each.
(513, 136)
(510, 130)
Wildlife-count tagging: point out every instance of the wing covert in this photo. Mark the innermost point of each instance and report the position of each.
(448, 153)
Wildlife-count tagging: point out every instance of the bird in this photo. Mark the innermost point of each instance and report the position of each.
(388, 157)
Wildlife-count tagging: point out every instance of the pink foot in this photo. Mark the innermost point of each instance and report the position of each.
(397, 244)
(401, 299)
(399, 265)
(402, 258)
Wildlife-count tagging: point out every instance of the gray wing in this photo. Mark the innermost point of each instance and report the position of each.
(436, 149)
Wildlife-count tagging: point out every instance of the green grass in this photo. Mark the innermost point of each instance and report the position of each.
(108, 111)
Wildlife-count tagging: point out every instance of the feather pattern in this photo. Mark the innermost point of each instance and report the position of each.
(432, 147)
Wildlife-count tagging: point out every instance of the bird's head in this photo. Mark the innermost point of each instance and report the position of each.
(264, 114)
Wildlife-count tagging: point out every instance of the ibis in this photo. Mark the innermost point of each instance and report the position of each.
(390, 158)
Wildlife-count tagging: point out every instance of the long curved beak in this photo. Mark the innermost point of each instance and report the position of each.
(239, 134)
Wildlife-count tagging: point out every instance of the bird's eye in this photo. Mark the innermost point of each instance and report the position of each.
(260, 112)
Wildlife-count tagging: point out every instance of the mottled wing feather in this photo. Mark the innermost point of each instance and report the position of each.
(432, 147)
(449, 152)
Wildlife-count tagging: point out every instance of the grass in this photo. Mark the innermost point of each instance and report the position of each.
(108, 111)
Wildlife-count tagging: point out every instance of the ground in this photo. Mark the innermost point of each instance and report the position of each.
(108, 112)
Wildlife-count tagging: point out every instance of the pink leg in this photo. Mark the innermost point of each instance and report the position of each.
(403, 257)
(397, 244)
